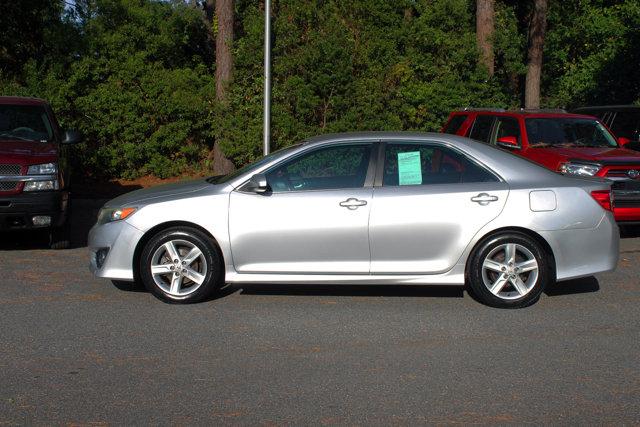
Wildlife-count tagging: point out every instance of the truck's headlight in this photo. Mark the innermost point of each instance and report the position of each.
(582, 169)
(43, 169)
(41, 185)
(114, 214)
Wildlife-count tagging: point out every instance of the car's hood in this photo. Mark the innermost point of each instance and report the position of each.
(158, 193)
(603, 155)
(27, 152)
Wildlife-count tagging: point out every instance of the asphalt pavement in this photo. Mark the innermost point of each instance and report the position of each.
(85, 351)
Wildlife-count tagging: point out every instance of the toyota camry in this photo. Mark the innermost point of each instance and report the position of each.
(364, 208)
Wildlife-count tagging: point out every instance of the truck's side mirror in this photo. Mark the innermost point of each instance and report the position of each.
(508, 142)
(258, 183)
(622, 141)
(72, 137)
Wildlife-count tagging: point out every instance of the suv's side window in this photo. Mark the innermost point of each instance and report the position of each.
(627, 124)
(409, 163)
(455, 123)
(507, 126)
(333, 167)
(481, 130)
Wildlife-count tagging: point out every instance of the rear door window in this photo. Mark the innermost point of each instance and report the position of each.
(415, 163)
(626, 124)
(481, 130)
(454, 124)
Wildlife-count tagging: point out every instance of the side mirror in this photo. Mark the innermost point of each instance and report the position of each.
(258, 183)
(622, 141)
(72, 137)
(508, 142)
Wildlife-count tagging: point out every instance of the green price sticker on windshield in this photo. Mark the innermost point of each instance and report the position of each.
(409, 168)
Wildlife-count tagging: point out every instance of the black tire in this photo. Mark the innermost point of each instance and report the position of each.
(510, 296)
(213, 277)
(60, 237)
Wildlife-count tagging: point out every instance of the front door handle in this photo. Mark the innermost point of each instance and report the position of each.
(484, 199)
(352, 203)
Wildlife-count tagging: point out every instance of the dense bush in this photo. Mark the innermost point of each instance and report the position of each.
(137, 76)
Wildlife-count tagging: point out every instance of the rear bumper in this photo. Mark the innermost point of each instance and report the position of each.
(17, 211)
(584, 252)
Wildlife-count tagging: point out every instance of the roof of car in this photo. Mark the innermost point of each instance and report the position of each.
(21, 100)
(549, 113)
(609, 107)
(375, 136)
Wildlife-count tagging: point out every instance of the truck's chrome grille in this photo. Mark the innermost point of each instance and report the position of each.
(9, 170)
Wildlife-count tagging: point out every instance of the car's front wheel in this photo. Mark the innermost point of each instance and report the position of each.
(509, 270)
(181, 265)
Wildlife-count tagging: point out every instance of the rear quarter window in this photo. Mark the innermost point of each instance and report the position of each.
(482, 127)
(453, 126)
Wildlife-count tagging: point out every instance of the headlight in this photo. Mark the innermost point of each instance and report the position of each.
(44, 169)
(582, 169)
(114, 214)
(41, 185)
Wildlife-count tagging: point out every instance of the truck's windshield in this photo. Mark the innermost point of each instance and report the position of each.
(24, 122)
(568, 132)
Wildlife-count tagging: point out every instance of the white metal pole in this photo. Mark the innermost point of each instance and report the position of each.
(267, 77)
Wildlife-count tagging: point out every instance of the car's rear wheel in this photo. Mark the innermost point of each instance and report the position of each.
(509, 270)
(181, 265)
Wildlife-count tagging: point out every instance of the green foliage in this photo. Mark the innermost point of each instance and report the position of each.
(592, 53)
(140, 88)
(361, 65)
(137, 76)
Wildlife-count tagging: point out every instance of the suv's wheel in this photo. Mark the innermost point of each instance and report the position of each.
(181, 265)
(59, 237)
(509, 270)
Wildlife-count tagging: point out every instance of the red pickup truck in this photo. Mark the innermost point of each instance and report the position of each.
(572, 144)
(34, 169)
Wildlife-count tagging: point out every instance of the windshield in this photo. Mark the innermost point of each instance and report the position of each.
(569, 132)
(25, 122)
(251, 166)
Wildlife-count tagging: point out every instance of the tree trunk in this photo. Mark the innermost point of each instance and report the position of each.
(224, 39)
(484, 32)
(537, 30)
(223, 10)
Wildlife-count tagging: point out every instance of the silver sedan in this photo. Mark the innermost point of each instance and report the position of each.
(364, 208)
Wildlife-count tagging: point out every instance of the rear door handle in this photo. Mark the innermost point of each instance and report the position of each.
(352, 203)
(484, 199)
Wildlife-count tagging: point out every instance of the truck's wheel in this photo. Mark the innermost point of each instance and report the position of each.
(59, 237)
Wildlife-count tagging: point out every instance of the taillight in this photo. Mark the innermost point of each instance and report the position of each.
(604, 199)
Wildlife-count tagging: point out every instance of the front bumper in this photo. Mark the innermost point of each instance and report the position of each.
(117, 240)
(626, 201)
(17, 211)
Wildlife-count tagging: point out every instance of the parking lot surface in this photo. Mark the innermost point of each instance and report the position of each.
(80, 350)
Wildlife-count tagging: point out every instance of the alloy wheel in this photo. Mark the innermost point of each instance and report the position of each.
(510, 271)
(178, 267)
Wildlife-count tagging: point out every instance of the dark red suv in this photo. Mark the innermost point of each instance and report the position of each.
(34, 172)
(568, 143)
